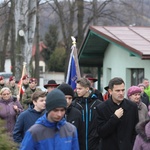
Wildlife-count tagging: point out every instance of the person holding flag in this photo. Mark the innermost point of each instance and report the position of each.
(23, 85)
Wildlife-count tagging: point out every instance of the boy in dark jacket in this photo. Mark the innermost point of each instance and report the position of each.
(86, 101)
(72, 115)
(27, 118)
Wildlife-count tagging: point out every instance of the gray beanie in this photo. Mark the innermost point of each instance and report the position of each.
(55, 99)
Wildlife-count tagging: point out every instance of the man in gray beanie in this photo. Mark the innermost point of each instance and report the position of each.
(52, 131)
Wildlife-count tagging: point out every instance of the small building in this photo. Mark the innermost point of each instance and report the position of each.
(117, 51)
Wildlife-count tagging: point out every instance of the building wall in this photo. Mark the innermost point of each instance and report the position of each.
(41, 64)
(46, 76)
(118, 62)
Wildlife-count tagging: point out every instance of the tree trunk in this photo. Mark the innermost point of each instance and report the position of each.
(6, 36)
(37, 53)
(80, 17)
(13, 44)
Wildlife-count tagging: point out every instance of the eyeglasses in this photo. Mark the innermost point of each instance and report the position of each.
(5, 94)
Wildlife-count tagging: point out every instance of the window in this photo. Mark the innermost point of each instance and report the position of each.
(41, 68)
(137, 76)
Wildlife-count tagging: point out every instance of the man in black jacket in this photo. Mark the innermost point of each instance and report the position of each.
(86, 101)
(117, 118)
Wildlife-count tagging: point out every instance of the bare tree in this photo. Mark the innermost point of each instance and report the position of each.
(25, 21)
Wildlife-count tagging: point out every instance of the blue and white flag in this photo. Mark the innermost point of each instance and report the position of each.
(73, 68)
(72, 73)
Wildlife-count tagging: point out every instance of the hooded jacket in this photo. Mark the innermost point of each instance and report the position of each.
(73, 115)
(45, 135)
(87, 106)
(142, 141)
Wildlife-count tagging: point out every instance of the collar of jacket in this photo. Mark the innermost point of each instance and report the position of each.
(45, 122)
(121, 105)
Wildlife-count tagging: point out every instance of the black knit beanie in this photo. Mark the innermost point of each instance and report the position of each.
(55, 99)
(66, 89)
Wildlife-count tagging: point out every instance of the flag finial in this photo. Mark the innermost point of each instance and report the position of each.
(73, 41)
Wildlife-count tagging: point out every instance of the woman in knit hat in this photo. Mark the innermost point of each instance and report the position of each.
(134, 94)
(52, 131)
(142, 141)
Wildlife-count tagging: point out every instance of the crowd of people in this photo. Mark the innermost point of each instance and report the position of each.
(62, 118)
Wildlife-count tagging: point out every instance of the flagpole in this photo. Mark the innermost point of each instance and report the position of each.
(23, 73)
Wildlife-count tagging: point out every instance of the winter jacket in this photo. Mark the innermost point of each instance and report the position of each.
(45, 135)
(25, 120)
(117, 133)
(74, 116)
(14, 89)
(145, 99)
(143, 112)
(8, 113)
(142, 141)
(2, 86)
(147, 91)
(87, 106)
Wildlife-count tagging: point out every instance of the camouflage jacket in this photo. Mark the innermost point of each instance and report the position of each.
(26, 99)
(14, 90)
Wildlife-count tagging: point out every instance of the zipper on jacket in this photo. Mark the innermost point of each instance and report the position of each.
(90, 115)
(86, 125)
